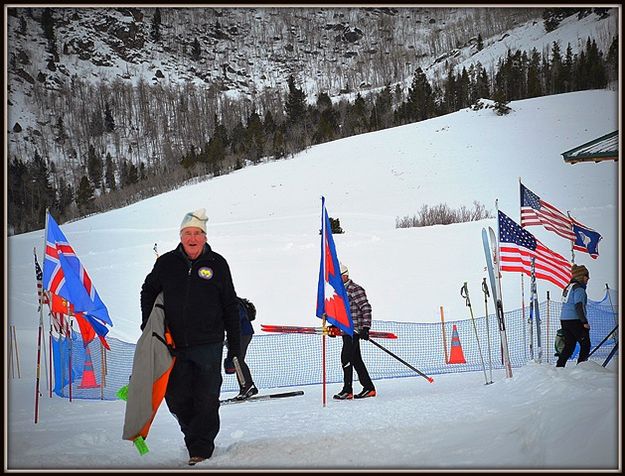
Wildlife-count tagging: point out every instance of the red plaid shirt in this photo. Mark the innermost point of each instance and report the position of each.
(358, 305)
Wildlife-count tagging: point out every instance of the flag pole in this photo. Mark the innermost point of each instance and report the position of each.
(572, 243)
(39, 332)
(50, 345)
(498, 274)
(323, 358)
(69, 316)
(444, 335)
(547, 326)
(523, 285)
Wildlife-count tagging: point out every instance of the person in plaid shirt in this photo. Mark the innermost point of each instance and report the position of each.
(350, 354)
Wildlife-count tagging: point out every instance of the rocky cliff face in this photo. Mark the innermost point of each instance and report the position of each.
(241, 49)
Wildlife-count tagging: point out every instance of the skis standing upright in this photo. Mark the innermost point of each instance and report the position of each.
(496, 292)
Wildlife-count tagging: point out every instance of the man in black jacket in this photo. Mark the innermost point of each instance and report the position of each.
(200, 304)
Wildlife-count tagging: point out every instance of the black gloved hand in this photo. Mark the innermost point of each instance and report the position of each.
(229, 365)
(364, 333)
(229, 362)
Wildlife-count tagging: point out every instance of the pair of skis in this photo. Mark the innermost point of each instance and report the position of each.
(256, 398)
(491, 252)
(319, 330)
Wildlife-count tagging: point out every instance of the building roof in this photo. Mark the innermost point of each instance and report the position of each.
(603, 148)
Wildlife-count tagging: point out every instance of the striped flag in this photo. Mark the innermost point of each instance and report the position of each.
(536, 211)
(42, 297)
(518, 246)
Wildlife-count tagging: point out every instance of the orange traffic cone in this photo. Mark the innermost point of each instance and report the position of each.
(88, 376)
(456, 356)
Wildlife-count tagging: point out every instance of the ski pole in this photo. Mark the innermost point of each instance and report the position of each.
(610, 355)
(464, 292)
(486, 296)
(607, 291)
(429, 379)
(604, 339)
(239, 371)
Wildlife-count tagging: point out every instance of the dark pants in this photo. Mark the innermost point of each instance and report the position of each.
(192, 396)
(245, 341)
(574, 332)
(351, 359)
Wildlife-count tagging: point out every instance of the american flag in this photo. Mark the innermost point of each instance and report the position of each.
(61, 323)
(517, 248)
(42, 297)
(535, 211)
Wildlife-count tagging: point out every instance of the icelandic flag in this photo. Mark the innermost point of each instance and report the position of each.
(331, 295)
(586, 239)
(65, 276)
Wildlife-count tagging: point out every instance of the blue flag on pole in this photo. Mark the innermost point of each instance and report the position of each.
(586, 239)
(332, 300)
(65, 276)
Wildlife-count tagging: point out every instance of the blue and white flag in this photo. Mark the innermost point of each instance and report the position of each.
(586, 239)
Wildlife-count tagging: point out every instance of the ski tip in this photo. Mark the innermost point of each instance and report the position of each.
(430, 379)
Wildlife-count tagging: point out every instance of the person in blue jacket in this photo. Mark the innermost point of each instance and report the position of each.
(247, 389)
(574, 317)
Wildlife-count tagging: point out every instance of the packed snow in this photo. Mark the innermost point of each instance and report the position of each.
(265, 220)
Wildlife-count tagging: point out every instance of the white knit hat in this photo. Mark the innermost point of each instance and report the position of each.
(344, 270)
(197, 218)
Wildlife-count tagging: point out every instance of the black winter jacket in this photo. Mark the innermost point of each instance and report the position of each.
(200, 300)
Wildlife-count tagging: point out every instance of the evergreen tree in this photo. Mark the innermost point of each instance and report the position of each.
(255, 136)
(95, 167)
(132, 174)
(612, 60)
(84, 196)
(382, 111)
(196, 51)
(450, 94)
(47, 24)
(596, 68)
(155, 29)
(65, 197)
(60, 127)
(109, 174)
(482, 83)
(17, 186)
(109, 122)
(43, 193)
(237, 141)
(480, 42)
(567, 70)
(420, 102)
(534, 83)
(463, 86)
(295, 107)
(97, 124)
(355, 121)
(557, 80)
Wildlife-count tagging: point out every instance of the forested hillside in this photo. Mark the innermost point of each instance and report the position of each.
(107, 106)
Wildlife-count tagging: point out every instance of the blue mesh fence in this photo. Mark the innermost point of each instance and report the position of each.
(285, 360)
